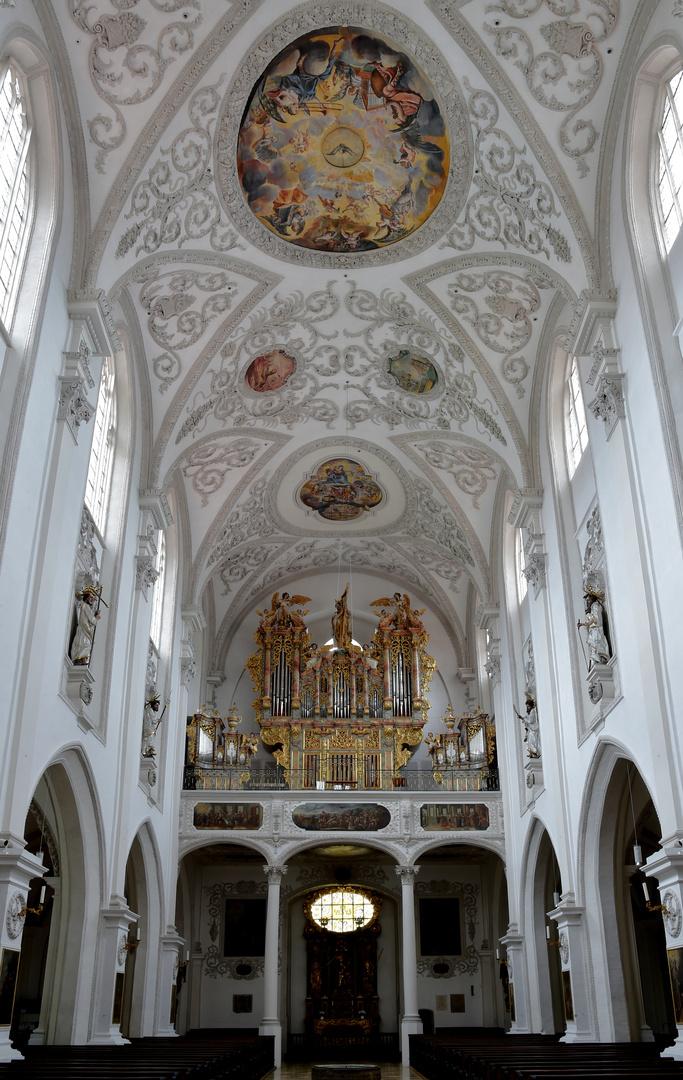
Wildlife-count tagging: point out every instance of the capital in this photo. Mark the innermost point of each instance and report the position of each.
(274, 873)
(407, 874)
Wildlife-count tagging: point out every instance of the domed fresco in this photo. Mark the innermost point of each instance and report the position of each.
(343, 146)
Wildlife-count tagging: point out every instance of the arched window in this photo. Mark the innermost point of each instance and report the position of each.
(520, 563)
(670, 165)
(577, 432)
(102, 450)
(158, 595)
(15, 134)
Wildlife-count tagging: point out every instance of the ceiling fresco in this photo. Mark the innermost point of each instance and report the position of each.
(342, 243)
(343, 146)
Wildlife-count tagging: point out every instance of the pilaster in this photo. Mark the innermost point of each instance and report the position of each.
(666, 865)
(17, 868)
(111, 962)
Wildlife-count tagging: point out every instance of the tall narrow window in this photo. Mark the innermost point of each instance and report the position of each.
(520, 563)
(670, 170)
(14, 200)
(158, 594)
(577, 433)
(102, 450)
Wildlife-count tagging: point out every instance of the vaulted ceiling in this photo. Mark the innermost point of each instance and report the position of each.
(200, 287)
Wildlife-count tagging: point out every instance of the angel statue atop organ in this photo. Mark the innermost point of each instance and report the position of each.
(280, 616)
(403, 617)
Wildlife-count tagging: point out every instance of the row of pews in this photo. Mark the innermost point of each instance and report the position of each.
(193, 1057)
(492, 1055)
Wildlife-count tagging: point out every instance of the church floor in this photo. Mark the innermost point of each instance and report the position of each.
(301, 1071)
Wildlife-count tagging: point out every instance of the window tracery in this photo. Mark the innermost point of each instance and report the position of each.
(577, 432)
(670, 164)
(102, 450)
(15, 133)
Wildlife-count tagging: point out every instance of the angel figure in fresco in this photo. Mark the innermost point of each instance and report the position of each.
(404, 103)
(298, 89)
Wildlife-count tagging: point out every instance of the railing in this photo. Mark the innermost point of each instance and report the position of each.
(208, 778)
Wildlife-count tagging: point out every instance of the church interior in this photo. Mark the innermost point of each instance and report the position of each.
(341, 524)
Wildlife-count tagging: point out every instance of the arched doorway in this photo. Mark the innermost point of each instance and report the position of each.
(542, 894)
(629, 947)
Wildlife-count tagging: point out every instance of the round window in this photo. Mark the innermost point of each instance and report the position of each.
(342, 910)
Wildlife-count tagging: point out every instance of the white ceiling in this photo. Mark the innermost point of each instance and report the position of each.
(199, 287)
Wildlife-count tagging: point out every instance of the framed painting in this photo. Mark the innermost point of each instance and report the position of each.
(8, 984)
(567, 997)
(440, 926)
(245, 927)
(675, 959)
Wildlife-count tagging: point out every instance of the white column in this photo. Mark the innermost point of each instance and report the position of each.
(513, 943)
(270, 1024)
(111, 962)
(410, 1021)
(17, 868)
(171, 946)
(666, 865)
(571, 931)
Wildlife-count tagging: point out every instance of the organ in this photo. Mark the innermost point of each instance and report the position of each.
(343, 715)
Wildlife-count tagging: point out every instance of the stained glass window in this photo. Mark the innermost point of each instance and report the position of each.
(342, 910)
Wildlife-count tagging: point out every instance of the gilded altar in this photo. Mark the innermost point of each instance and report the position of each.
(343, 716)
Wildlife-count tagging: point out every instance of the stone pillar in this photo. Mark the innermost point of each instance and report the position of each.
(110, 967)
(17, 868)
(571, 934)
(270, 1024)
(410, 1021)
(667, 866)
(171, 946)
(513, 943)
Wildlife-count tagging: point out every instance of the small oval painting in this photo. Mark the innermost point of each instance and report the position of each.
(341, 490)
(270, 371)
(413, 373)
(336, 817)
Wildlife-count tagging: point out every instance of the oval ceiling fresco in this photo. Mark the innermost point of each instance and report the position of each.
(343, 146)
(341, 490)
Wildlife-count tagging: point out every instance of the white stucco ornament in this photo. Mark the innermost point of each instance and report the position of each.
(15, 921)
(672, 916)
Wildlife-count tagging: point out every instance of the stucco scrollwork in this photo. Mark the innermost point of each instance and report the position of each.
(509, 205)
(564, 947)
(176, 203)
(501, 315)
(672, 915)
(388, 324)
(565, 76)
(471, 468)
(121, 951)
(128, 58)
(436, 523)
(13, 920)
(244, 967)
(293, 323)
(181, 305)
(208, 464)
(446, 967)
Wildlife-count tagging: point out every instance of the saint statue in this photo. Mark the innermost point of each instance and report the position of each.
(598, 647)
(87, 614)
(341, 621)
(531, 731)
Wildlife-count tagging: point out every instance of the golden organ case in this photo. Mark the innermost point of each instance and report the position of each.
(342, 716)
